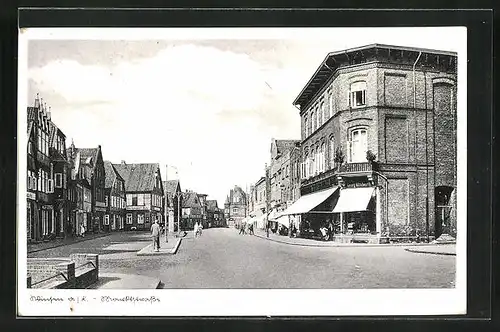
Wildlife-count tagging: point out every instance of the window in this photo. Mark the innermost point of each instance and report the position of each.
(329, 106)
(50, 186)
(58, 178)
(322, 158)
(357, 146)
(129, 218)
(332, 152)
(134, 199)
(129, 199)
(106, 200)
(320, 114)
(106, 219)
(313, 117)
(357, 94)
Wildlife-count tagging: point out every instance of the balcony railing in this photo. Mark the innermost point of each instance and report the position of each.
(319, 176)
(357, 167)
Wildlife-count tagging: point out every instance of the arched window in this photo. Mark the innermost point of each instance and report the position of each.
(358, 145)
(357, 94)
(320, 114)
(305, 126)
(322, 164)
(313, 118)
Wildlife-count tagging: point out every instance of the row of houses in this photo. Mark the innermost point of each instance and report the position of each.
(376, 161)
(72, 191)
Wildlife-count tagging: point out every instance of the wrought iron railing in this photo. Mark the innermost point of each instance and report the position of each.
(357, 167)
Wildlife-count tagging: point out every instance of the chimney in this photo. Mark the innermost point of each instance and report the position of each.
(37, 100)
(123, 162)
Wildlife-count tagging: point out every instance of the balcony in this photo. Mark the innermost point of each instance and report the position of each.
(319, 177)
(357, 168)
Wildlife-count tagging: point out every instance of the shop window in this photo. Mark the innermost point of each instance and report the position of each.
(357, 95)
(106, 219)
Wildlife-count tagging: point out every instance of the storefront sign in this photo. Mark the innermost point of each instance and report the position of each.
(31, 195)
(46, 207)
(100, 209)
(155, 208)
(135, 208)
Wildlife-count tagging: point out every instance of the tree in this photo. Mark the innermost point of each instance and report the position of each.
(370, 156)
(339, 156)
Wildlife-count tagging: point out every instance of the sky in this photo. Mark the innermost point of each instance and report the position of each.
(205, 104)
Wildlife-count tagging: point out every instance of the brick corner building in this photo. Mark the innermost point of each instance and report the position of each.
(378, 144)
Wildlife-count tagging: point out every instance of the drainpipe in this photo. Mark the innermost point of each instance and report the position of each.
(416, 131)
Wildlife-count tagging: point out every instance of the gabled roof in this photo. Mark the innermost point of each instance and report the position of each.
(170, 186)
(138, 177)
(86, 154)
(111, 174)
(285, 144)
(212, 205)
(191, 200)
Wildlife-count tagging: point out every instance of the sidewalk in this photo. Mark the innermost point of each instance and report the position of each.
(125, 281)
(166, 248)
(315, 243)
(34, 247)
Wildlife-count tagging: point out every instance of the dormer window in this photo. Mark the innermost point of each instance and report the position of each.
(357, 95)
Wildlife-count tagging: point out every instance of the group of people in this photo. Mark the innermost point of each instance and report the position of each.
(244, 227)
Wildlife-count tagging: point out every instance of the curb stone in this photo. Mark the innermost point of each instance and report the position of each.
(430, 252)
(73, 242)
(172, 251)
(363, 245)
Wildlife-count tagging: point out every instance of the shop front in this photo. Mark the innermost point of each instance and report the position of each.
(358, 215)
(311, 212)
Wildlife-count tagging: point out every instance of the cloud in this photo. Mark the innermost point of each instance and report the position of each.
(209, 112)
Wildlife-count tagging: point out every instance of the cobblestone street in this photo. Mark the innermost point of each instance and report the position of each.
(223, 259)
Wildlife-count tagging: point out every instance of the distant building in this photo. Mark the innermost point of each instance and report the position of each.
(144, 194)
(79, 192)
(92, 158)
(116, 207)
(235, 207)
(281, 172)
(192, 210)
(215, 215)
(173, 203)
(258, 199)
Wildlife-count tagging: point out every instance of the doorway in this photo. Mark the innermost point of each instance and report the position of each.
(442, 196)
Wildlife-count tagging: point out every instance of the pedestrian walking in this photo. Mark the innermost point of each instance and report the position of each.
(82, 230)
(250, 229)
(200, 229)
(195, 229)
(267, 229)
(155, 233)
